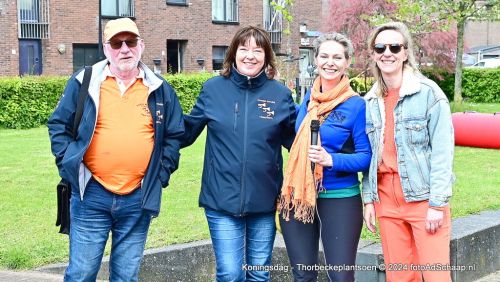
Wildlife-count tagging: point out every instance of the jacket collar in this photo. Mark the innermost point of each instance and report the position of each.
(244, 81)
(409, 86)
(150, 79)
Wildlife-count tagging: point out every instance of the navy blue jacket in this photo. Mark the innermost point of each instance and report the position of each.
(168, 129)
(343, 136)
(248, 121)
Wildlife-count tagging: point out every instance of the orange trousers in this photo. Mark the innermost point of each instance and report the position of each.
(409, 250)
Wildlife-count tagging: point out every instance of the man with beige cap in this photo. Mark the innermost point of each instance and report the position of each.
(125, 149)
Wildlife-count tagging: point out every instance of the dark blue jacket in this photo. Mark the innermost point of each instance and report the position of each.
(248, 121)
(168, 129)
(343, 136)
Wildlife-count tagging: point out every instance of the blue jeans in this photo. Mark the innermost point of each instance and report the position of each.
(240, 243)
(91, 221)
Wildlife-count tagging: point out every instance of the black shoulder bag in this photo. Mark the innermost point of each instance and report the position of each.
(63, 188)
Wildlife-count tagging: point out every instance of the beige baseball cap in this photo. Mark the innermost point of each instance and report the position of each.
(113, 27)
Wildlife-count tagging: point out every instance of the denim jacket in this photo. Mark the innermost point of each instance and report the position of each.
(424, 141)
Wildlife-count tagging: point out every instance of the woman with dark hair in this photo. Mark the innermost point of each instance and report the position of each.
(249, 117)
(408, 185)
(324, 202)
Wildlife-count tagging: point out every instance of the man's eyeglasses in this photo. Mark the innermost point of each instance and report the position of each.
(117, 44)
(395, 48)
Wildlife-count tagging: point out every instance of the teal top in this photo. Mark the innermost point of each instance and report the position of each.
(340, 193)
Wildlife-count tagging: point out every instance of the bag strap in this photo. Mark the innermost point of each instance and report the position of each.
(84, 92)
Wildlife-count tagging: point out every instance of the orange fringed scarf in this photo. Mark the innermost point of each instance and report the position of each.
(299, 186)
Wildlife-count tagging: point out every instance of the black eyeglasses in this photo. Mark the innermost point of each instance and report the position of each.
(117, 44)
(395, 48)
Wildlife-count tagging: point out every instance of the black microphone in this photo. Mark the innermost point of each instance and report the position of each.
(314, 136)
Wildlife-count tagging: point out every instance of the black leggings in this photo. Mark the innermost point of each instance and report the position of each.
(339, 222)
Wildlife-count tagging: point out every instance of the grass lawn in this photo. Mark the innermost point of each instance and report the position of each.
(477, 107)
(28, 176)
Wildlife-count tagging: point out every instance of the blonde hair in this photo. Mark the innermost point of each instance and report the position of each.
(336, 37)
(409, 64)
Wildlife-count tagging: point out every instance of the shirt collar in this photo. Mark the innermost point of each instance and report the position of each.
(107, 73)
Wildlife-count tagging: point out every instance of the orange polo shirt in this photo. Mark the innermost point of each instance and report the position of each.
(123, 140)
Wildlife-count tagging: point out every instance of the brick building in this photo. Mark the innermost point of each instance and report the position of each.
(482, 40)
(56, 37)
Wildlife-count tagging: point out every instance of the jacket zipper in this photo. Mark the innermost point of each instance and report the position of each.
(86, 146)
(236, 111)
(397, 159)
(412, 151)
(376, 151)
(245, 120)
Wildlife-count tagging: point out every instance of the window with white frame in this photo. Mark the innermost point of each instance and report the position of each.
(218, 55)
(225, 10)
(29, 10)
(33, 18)
(117, 8)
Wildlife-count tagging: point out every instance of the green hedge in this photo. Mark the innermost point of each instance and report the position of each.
(478, 85)
(482, 85)
(28, 101)
(443, 78)
(187, 87)
(361, 85)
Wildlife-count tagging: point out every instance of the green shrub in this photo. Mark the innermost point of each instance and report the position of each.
(443, 78)
(27, 102)
(478, 85)
(187, 87)
(361, 85)
(481, 85)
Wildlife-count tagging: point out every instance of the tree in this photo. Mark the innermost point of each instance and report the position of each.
(441, 14)
(283, 11)
(283, 8)
(352, 18)
(436, 48)
(357, 18)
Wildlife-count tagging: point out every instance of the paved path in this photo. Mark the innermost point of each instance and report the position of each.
(494, 277)
(34, 276)
(30, 276)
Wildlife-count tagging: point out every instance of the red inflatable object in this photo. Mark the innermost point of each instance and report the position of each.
(477, 130)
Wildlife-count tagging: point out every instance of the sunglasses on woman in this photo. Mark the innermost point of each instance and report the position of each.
(395, 48)
(117, 44)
